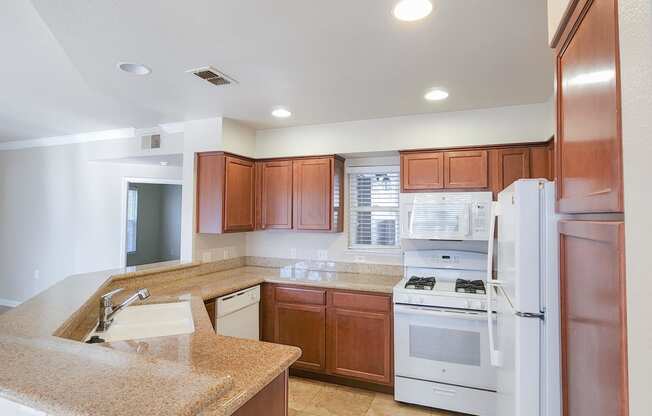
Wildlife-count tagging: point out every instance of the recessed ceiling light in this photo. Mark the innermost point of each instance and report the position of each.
(281, 112)
(411, 10)
(133, 68)
(436, 95)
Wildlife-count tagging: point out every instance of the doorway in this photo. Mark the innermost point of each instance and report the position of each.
(151, 221)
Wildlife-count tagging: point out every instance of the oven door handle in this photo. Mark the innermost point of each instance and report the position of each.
(416, 310)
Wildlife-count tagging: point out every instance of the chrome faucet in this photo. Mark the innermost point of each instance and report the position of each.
(108, 312)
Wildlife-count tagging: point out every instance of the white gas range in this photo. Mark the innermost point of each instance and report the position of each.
(440, 332)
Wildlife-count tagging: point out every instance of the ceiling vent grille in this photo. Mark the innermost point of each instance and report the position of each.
(213, 76)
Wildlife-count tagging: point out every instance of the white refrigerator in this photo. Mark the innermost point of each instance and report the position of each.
(525, 344)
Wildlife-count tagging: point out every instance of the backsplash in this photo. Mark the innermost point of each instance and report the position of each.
(331, 266)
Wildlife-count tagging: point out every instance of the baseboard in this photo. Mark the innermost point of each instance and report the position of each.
(344, 381)
(10, 303)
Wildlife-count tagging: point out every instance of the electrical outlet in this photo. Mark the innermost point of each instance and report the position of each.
(226, 253)
(322, 254)
(359, 259)
(206, 256)
(37, 274)
(293, 253)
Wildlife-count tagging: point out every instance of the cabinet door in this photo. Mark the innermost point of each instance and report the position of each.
(593, 321)
(509, 165)
(312, 193)
(303, 326)
(276, 194)
(422, 171)
(466, 169)
(589, 171)
(239, 194)
(539, 162)
(360, 344)
(210, 192)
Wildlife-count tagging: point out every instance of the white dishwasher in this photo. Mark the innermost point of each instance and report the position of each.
(236, 315)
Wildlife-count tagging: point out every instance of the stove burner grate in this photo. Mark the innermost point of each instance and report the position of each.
(421, 283)
(470, 286)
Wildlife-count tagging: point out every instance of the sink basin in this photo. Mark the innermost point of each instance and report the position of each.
(148, 321)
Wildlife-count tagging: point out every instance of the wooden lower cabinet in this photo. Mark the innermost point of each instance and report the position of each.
(359, 344)
(593, 318)
(347, 334)
(303, 326)
(272, 400)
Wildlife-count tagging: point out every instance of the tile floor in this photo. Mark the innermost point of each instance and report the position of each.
(313, 398)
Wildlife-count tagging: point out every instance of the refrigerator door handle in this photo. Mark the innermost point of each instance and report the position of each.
(541, 316)
(495, 356)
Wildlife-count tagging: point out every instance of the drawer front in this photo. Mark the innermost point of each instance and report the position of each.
(346, 300)
(301, 296)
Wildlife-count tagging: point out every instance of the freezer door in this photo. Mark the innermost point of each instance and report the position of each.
(518, 245)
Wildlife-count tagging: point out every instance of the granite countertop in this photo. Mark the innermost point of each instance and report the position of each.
(176, 375)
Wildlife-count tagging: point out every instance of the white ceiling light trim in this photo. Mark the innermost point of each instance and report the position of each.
(412, 10)
(436, 94)
(281, 112)
(96, 136)
(134, 68)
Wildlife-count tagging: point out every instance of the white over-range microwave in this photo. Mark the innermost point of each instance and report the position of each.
(446, 215)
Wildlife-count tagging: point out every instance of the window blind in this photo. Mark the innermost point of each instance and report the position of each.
(374, 208)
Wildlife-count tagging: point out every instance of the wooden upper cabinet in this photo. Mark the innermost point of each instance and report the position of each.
(318, 186)
(589, 150)
(541, 162)
(509, 164)
(225, 193)
(422, 171)
(466, 169)
(276, 194)
(593, 316)
(239, 194)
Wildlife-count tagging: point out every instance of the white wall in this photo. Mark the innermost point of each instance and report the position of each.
(209, 135)
(461, 128)
(635, 22)
(61, 214)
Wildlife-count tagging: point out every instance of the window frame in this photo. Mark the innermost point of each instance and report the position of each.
(369, 248)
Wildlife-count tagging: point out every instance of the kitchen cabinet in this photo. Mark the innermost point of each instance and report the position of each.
(593, 316)
(465, 169)
(422, 171)
(345, 335)
(359, 336)
(275, 179)
(225, 193)
(210, 309)
(318, 186)
(509, 164)
(272, 400)
(486, 168)
(300, 320)
(588, 139)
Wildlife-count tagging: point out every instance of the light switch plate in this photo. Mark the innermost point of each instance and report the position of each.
(322, 254)
(293, 253)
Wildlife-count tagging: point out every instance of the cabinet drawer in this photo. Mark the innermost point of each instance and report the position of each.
(346, 300)
(299, 295)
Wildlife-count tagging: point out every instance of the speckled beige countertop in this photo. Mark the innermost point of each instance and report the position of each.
(176, 375)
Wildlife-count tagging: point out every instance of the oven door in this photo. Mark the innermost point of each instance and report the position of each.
(443, 345)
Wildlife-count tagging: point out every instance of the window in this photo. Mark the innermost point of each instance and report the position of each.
(374, 210)
(132, 219)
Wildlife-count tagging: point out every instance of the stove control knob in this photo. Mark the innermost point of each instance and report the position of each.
(476, 305)
(420, 300)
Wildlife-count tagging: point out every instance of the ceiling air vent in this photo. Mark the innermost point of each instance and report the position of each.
(213, 76)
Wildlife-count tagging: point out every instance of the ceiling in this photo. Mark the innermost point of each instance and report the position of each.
(326, 61)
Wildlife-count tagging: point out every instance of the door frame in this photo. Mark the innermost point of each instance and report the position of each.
(123, 217)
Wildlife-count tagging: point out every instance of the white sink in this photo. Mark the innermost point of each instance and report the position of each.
(148, 321)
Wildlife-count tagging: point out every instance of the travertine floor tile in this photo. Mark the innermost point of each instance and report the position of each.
(302, 392)
(340, 401)
(384, 405)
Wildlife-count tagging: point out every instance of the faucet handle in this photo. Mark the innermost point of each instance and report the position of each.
(107, 298)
